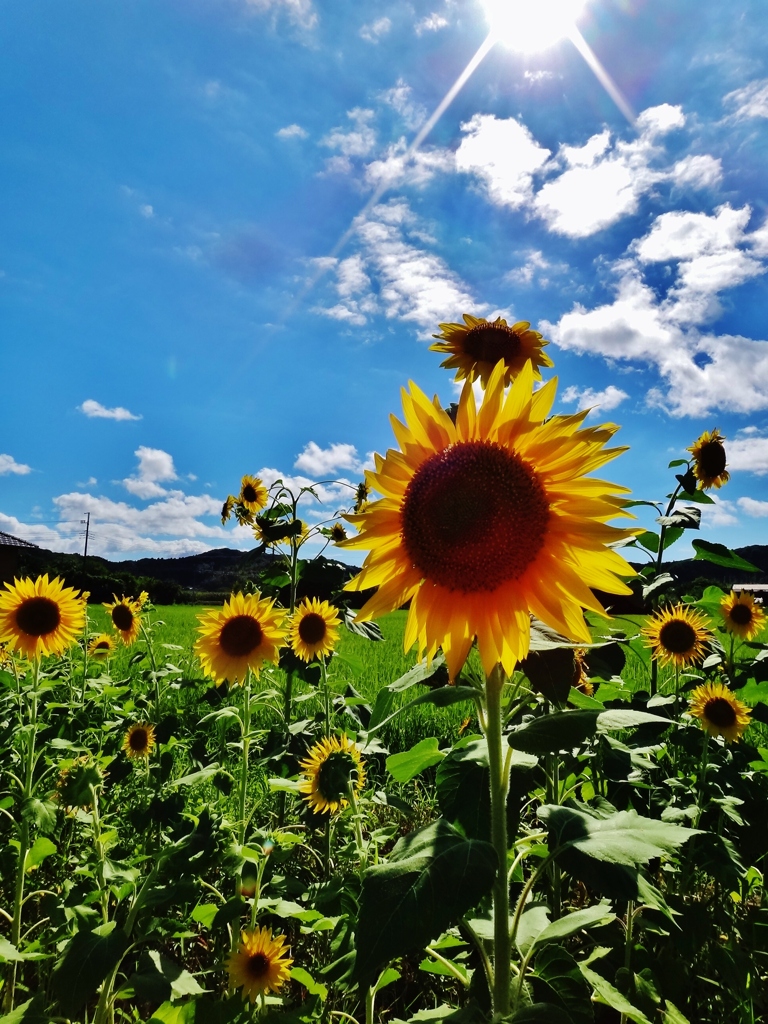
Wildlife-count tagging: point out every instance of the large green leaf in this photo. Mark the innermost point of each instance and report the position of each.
(564, 730)
(31, 1012)
(463, 789)
(405, 766)
(721, 555)
(159, 979)
(88, 959)
(621, 838)
(606, 994)
(434, 876)
(557, 979)
(569, 924)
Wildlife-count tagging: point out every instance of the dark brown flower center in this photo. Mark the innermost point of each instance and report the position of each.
(240, 635)
(720, 712)
(473, 517)
(711, 459)
(249, 493)
(312, 628)
(138, 740)
(677, 637)
(333, 776)
(489, 343)
(38, 616)
(741, 614)
(122, 616)
(257, 965)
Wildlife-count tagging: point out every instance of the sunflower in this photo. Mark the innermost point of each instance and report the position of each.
(709, 460)
(489, 519)
(246, 632)
(330, 767)
(126, 618)
(314, 629)
(337, 533)
(678, 635)
(741, 615)
(139, 740)
(101, 646)
(253, 494)
(40, 617)
(260, 964)
(77, 782)
(581, 680)
(475, 347)
(719, 712)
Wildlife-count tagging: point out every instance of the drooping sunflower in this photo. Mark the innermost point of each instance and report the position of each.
(709, 460)
(330, 767)
(77, 782)
(39, 617)
(581, 680)
(101, 646)
(741, 615)
(678, 635)
(314, 629)
(489, 519)
(719, 712)
(338, 533)
(253, 494)
(126, 618)
(477, 345)
(139, 740)
(260, 964)
(247, 631)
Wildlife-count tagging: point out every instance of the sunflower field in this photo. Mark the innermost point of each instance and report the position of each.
(509, 801)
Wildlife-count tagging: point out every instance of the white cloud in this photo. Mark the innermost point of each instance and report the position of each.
(299, 12)
(292, 131)
(504, 155)
(319, 461)
(597, 401)
(339, 494)
(535, 268)
(753, 507)
(698, 171)
(748, 453)
(95, 410)
(155, 466)
(680, 235)
(750, 101)
(722, 513)
(373, 32)
(399, 98)
(407, 281)
(9, 465)
(431, 23)
(395, 168)
(359, 141)
(147, 210)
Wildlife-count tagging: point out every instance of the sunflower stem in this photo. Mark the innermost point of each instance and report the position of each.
(702, 779)
(246, 727)
(499, 781)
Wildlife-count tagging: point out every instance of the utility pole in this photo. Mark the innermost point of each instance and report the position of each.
(87, 523)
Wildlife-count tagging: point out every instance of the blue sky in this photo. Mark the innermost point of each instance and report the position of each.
(175, 178)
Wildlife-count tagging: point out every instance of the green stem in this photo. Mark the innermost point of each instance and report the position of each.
(628, 944)
(499, 782)
(98, 847)
(448, 965)
(370, 998)
(701, 781)
(326, 698)
(246, 725)
(362, 854)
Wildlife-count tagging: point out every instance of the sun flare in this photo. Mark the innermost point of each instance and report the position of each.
(531, 27)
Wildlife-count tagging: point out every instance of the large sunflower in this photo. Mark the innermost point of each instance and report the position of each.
(678, 635)
(139, 740)
(330, 767)
(260, 964)
(314, 629)
(101, 646)
(741, 615)
(247, 631)
(720, 713)
(709, 460)
(126, 617)
(488, 520)
(39, 617)
(474, 348)
(253, 494)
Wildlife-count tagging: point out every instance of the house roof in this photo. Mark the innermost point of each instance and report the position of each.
(6, 540)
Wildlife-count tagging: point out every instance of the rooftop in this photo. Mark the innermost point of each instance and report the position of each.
(7, 540)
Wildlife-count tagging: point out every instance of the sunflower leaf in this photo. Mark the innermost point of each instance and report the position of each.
(719, 554)
(606, 994)
(434, 876)
(405, 766)
(88, 959)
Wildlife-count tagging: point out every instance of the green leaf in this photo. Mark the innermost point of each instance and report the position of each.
(315, 988)
(31, 1012)
(463, 791)
(672, 534)
(570, 924)
(557, 979)
(623, 837)
(687, 518)
(159, 979)
(88, 959)
(8, 953)
(648, 540)
(170, 1014)
(405, 766)
(387, 977)
(699, 497)
(677, 462)
(204, 914)
(41, 812)
(719, 554)
(606, 994)
(564, 730)
(673, 1016)
(41, 848)
(434, 876)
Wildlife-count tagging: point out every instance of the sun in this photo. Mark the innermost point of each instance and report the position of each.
(532, 26)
